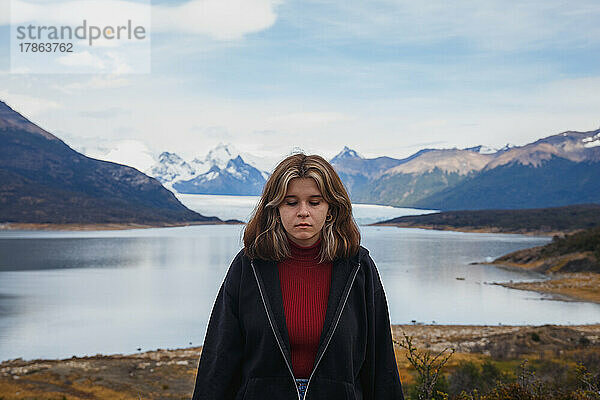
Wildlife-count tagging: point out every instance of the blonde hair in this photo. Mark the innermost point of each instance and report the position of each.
(265, 236)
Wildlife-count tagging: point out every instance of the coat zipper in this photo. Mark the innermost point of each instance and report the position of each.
(273, 329)
(328, 339)
(333, 330)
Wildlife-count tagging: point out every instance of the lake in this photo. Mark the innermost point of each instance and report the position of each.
(83, 293)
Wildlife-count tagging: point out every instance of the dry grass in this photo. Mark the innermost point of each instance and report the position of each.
(170, 374)
(577, 286)
(161, 374)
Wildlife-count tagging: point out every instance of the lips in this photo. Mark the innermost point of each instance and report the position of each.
(302, 225)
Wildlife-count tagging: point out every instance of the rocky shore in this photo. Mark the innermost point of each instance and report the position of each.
(577, 286)
(170, 374)
(571, 265)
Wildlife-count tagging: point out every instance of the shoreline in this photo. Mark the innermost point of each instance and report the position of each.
(13, 226)
(477, 230)
(430, 335)
(580, 287)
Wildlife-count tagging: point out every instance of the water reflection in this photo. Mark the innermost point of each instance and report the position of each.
(82, 293)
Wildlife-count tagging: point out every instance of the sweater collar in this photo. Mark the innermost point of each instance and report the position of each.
(305, 253)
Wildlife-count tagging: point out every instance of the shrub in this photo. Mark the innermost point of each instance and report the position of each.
(428, 367)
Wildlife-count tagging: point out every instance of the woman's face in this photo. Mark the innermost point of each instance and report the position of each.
(303, 211)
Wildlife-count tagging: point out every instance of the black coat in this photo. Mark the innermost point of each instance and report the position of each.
(246, 353)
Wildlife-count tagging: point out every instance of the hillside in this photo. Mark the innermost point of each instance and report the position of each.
(572, 263)
(555, 181)
(42, 180)
(537, 220)
(577, 252)
(558, 170)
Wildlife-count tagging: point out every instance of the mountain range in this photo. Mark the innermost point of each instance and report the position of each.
(42, 180)
(222, 171)
(558, 170)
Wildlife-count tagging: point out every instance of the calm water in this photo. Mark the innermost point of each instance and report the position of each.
(82, 293)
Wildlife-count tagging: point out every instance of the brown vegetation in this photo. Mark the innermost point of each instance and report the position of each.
(576, 286)
(572, 262)
(170, 374)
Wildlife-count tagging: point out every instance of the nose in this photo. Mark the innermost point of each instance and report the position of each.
(303, 210)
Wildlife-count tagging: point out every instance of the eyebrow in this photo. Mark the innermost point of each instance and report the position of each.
(293, 195)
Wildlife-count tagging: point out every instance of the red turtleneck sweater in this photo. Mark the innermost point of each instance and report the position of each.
(305, 288)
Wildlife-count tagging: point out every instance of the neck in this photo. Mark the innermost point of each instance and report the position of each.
(305, 252)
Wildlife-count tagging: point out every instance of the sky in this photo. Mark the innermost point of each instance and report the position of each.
(272, 76)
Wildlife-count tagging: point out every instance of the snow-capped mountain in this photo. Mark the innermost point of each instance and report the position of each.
(483, 149)
(170, 168)
(218, 156)
(345, 154)
(572, 146)
(506, 147)
(221, 171)
(236, 178)
(591, 141)
(356, 172)
(385, 180)
(557, 170)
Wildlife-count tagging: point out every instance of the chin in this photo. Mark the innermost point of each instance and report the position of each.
(303, 237)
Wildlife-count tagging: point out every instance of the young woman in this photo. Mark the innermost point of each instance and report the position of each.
(301, 313)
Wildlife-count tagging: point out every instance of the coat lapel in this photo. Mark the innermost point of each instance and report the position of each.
(269, 275)
(340, 274)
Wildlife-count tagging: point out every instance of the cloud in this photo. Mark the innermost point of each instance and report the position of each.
(119, 65)
(572, 95)
(82, 59)
(217, 19)
(96, 82)
(27, 105)
(105, 12)
(425, 144)
(103, 114)
(303, 120)
(487, 24)
(108, 61)
(4, 12)
(129, 152)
